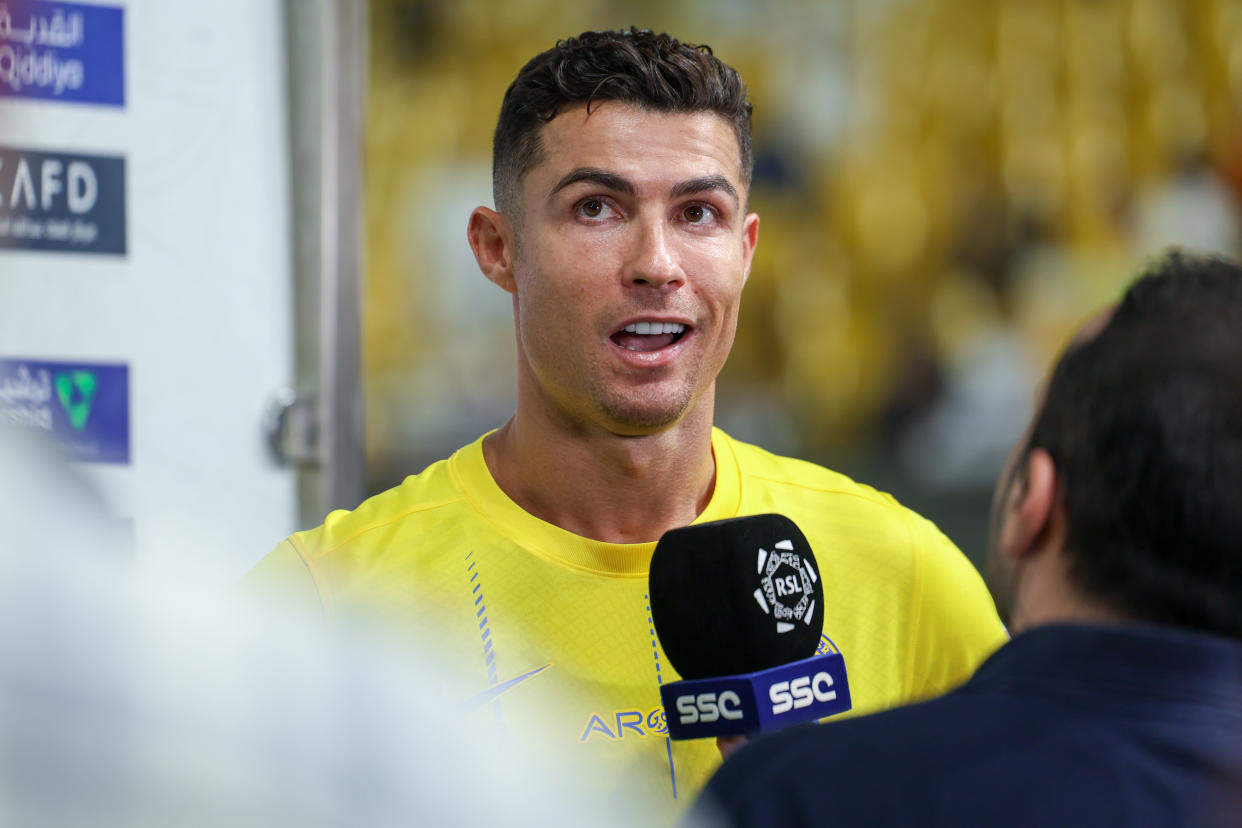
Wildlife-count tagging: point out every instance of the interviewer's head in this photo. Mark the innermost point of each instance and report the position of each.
(1124, 499)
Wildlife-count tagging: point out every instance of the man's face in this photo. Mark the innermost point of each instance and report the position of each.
(630, 255)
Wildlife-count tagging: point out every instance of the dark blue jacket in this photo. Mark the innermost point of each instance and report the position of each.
(1066, 725)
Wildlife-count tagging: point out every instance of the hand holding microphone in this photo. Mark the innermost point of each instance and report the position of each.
(738, 607)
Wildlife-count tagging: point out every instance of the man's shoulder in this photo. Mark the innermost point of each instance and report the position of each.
(419, 498)
(370, 549)
(758, 463)
(858, 526)
(1006, 750)
(779, 483)
(847, 769)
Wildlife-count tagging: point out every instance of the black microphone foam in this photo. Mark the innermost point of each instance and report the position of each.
(735, 596)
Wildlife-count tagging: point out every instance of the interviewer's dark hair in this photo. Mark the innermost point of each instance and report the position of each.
(650, 70)
(1144, 425)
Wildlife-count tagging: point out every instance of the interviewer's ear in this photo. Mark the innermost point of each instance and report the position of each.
(1031, 507)
(491, 238)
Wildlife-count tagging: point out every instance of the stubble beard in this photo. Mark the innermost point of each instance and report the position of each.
(642, 411)
(649, 409)
(596, 397)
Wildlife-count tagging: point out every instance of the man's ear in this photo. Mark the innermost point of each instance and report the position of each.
(491, 238)
(1031, 508)
(750, 239)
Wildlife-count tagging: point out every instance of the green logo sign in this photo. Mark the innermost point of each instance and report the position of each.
(76, 390)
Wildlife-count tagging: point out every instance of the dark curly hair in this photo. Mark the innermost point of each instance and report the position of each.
(649, 70)
(1144, 424)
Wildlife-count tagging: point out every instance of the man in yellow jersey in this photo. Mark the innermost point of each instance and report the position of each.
(622, 164)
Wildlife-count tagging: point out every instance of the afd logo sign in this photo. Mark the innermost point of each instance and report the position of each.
(802, 691)
(62, 202)
(82, 408)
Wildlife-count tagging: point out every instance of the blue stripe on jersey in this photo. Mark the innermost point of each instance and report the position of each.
(655, 651)
(485, 636)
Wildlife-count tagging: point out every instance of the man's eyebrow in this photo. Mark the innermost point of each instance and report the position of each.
(705, 184)
(594, 175)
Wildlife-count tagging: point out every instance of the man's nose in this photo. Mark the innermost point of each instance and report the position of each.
(654, 261)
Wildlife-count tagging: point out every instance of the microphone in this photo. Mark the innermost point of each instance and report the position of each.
(738, 607)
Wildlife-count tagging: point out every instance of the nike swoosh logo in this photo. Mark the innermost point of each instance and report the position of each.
(497, 690)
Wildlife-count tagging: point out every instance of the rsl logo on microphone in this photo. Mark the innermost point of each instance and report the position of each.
(786, 586)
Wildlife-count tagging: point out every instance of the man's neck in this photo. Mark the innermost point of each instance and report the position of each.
(605, 486)
(1047, 595)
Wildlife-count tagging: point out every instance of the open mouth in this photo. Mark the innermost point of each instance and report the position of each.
(649, 336)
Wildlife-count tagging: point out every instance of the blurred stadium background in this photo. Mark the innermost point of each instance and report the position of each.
(947, 188)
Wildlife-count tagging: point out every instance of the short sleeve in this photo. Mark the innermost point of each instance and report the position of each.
(282, 575)
(954, 625)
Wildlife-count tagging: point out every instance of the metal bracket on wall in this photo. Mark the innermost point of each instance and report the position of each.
(291, 428)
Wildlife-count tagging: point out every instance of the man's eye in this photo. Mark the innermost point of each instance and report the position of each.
(694, 214)
(591, 208)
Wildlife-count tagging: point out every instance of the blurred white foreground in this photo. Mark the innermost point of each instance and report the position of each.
(129, 702)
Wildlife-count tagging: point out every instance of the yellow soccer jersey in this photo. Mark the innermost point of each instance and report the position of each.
(547, 618)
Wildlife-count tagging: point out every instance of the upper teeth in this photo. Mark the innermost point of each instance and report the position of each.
(655, 328)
